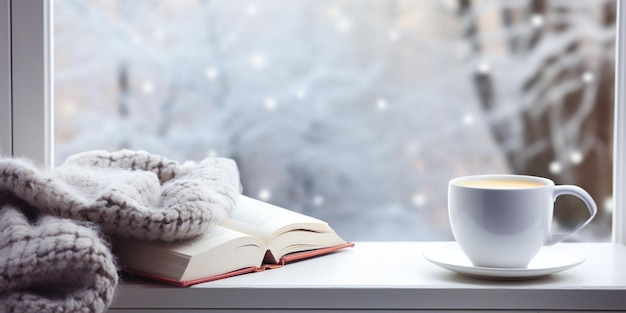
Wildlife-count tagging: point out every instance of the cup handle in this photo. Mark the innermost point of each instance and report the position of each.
(582, 195)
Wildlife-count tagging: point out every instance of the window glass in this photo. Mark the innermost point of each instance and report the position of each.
(354, 111)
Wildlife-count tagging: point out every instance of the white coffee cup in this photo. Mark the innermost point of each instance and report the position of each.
(502, 221)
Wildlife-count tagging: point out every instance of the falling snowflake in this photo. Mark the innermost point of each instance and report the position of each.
(270, 104)
(211, 73)
(264, 194)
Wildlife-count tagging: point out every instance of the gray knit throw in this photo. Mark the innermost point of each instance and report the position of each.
(54, 256)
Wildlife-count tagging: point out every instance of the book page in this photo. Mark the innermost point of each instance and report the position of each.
(236, 251)
(216, 251)
(301, 240)
(213, 237)
(263, 220)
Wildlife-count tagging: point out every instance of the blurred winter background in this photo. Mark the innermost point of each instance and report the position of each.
(354, 111)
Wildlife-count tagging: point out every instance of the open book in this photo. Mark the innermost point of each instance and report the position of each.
(257, 236)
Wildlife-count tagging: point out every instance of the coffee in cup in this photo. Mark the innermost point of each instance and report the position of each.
(502, 221)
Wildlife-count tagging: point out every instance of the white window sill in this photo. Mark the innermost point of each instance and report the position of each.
(383, 276)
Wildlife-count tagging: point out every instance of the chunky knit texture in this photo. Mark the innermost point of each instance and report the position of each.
(54, 265)
(53, 257)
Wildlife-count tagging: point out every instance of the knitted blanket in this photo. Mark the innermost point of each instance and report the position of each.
(54, 224)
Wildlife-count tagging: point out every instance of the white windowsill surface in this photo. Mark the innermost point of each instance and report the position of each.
(386, 276)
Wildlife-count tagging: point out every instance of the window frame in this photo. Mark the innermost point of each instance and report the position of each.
(26, 93)
(26, 81)
(6, 126)
(619, 128)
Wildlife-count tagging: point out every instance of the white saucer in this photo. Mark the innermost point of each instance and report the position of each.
(549, 260)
